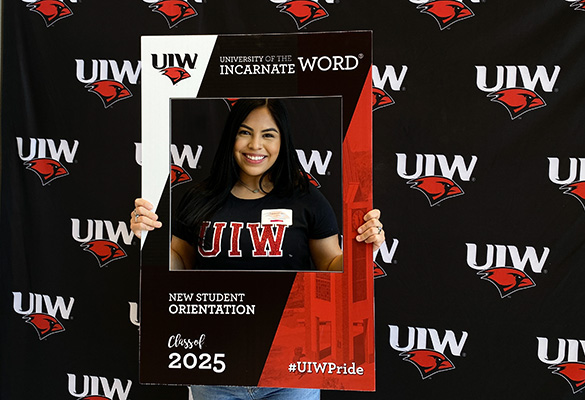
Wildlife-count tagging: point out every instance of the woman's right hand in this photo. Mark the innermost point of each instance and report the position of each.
(142, 218)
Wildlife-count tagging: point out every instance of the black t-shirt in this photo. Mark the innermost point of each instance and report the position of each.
(269, 233)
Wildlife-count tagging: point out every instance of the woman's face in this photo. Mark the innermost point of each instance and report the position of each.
(257, 145)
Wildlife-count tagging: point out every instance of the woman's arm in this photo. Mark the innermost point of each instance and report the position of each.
(327, 254)
(143, 219)
(182, 254)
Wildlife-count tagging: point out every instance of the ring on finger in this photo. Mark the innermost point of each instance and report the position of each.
(379, 230)
(136, 215)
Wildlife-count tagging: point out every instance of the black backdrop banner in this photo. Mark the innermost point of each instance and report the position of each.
(479, 171)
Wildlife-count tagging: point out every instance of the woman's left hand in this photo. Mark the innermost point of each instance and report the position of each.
(371, 231)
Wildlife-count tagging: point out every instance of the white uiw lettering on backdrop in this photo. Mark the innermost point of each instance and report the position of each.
(418, 339)
(518, 261)
(101, 69)
(42, 304)
(426, 163)
(315, 160)
(576, 170)
(390, 76)
(507, 77)
(95, 231)
(387, 254)
(38, 149)
(567, 350)
(134, 313)
(177, 158)
(99, 386)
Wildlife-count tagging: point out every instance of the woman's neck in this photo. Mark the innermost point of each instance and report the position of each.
(250, 189)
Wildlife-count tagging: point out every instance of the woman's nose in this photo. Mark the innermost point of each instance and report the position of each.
(255, 142)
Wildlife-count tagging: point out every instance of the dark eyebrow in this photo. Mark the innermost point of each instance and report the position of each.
(265, 130)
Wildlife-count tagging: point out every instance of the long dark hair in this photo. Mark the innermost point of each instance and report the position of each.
(206, 198)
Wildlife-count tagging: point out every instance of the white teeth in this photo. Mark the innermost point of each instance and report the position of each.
(254, 158)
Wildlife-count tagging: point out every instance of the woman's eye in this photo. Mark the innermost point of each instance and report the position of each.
(243, 133)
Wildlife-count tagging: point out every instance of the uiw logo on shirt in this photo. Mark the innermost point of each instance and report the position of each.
(266, 239)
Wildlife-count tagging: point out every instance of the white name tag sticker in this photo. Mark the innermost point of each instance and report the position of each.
(280, 216)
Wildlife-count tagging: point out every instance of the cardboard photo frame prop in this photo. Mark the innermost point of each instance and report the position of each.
(247, 328)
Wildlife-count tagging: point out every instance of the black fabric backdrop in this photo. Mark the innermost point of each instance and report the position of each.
(511, 173)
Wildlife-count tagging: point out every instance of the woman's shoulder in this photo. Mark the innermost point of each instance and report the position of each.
(311, 196)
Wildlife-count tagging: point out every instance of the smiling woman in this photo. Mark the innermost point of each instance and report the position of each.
(257, 209)
(227, 221)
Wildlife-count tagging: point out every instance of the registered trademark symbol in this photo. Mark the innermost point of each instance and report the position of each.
(545, 271)
(556, 90)
(403, 89)
(394, 262)
(360, 56)
(473, 179)
(463, 354)
(328, 172)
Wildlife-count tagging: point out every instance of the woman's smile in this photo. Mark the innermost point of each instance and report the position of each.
(255, 159)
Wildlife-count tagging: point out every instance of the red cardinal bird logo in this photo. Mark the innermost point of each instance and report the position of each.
(312, 180)
(174, 11)
(380, 99)
(47, 169)
(51, 10)
(446, 12)
(303, 11)
(436, 188)
(577, 190)
(44, 324)
(517, 100)
(109, 91)
(573, 372)
(579, 5)
(428, 362)
(378, 271)
(105, 251)
(507, 280)
(179, 175)
(231, 102)
(176, 74)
